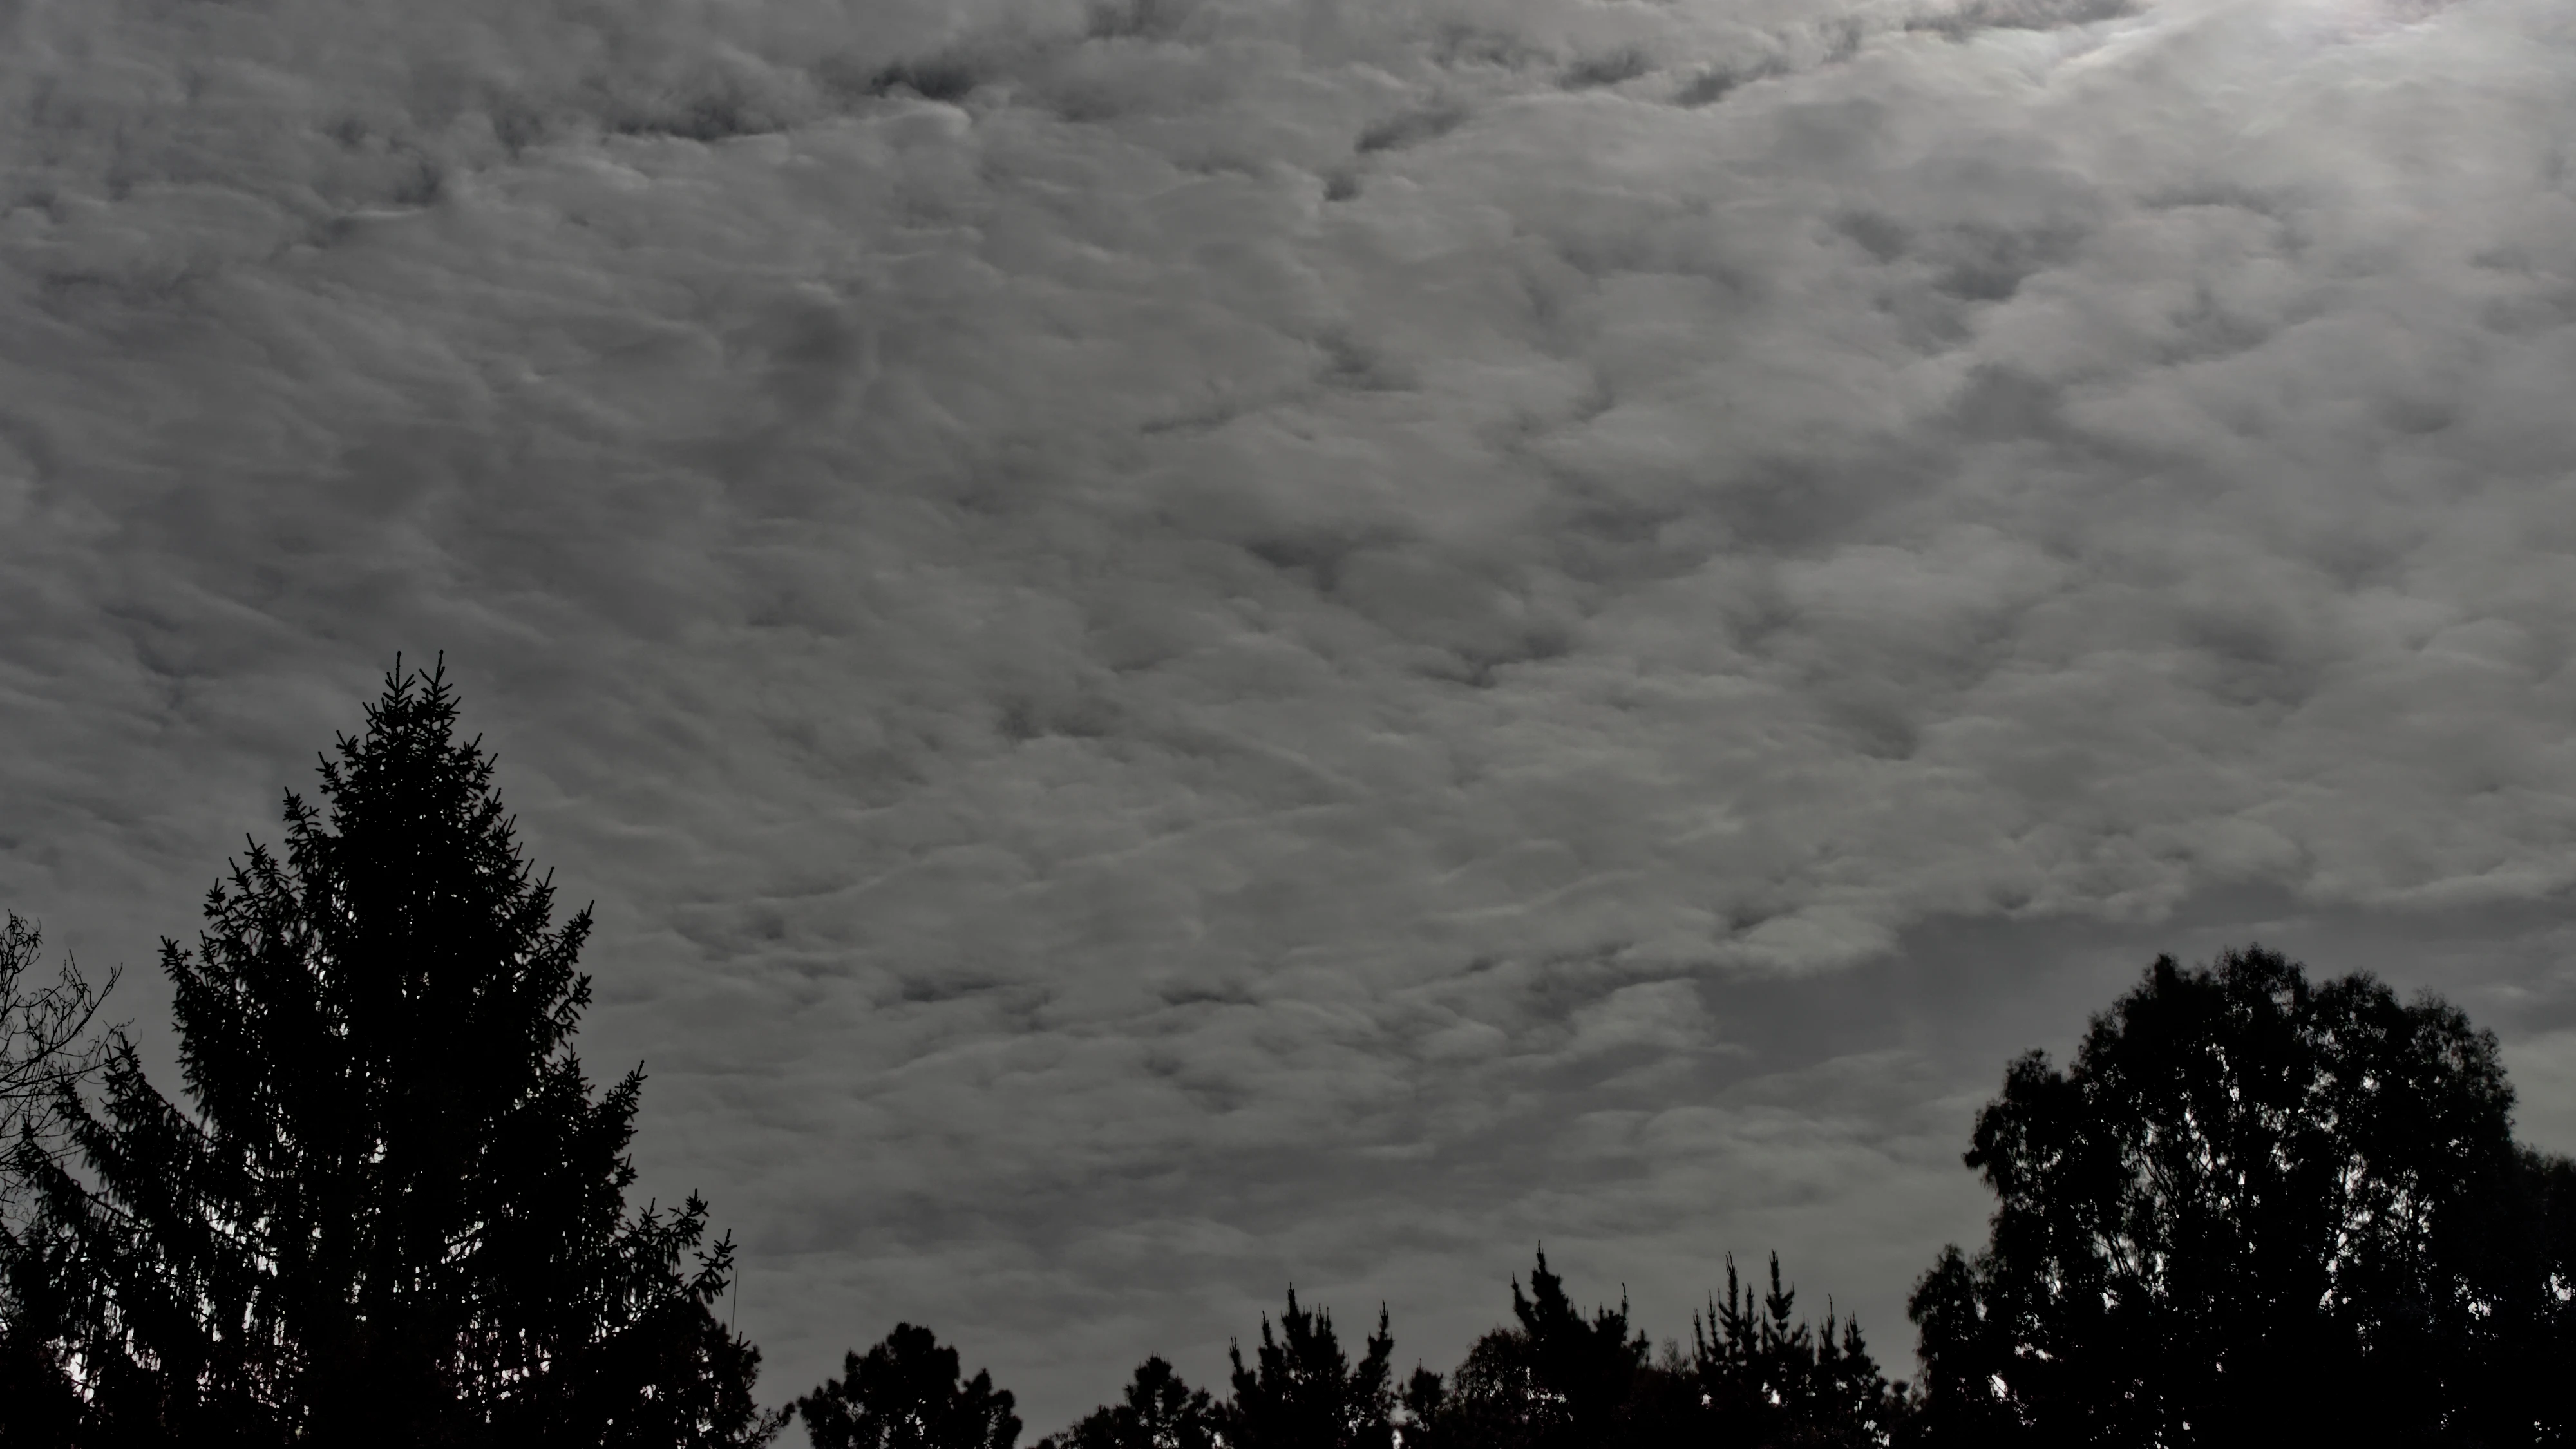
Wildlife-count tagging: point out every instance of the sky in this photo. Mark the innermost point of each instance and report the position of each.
(1198, 645)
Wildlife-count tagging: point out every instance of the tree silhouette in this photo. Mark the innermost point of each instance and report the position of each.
(1559, 1379)
(1580, 1369)
(1767, 1377)
(393, 1211)
(905, 1394)
(1159, 1412)
(2253, 1209)
(1555, 1379)
(46, 1045)
(1302, 1391)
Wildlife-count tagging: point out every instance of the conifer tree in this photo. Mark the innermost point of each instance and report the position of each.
(1582, 1368)
(392, 1210)
(1556, 1378)
(1303, 1392)
(1552, 1379)
(1768, 1377)
(906, 1394)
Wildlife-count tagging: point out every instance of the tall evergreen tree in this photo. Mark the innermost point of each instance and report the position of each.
(393, 1209)
(906, 1394)
(2253, 1209)
(1302, 1391)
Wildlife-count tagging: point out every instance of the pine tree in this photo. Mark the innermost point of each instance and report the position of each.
(1555, 1378)
(905, 1394)
(1768, 1377)
(1582, 1369)
(1303, 1392)
(393, 1209)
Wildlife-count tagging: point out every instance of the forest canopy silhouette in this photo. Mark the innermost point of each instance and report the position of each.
(390, 1206)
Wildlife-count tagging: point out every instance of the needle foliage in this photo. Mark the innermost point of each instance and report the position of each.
(390, 1207)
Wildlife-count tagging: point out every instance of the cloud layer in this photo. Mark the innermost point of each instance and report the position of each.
(1197, 644)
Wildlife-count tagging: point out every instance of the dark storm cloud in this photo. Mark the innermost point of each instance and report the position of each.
(1197, 644)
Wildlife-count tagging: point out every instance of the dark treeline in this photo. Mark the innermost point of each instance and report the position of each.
(393, 1209)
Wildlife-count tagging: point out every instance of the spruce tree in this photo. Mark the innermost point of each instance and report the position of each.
(393, 1209)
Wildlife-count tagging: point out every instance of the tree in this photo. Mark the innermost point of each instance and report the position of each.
(1159, 1412)
(1552, 1380)
(1767, 1377)
(1302, 1391)
(1490, 1401)
(905, 1394)
(46, 1045)
(1580, 1368)
(393, 1210)
(1556, 1378)
(47, 1049)
(2254, 1209)
(1964, 1351)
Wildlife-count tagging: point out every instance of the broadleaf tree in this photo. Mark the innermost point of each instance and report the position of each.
(48, 1041)
(906, 1393)
(1158, 1411)
(2255, 1208)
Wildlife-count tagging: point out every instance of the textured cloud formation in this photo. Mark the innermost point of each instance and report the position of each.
(1194, 644)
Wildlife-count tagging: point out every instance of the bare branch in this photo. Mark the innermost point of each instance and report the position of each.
(48, 1045)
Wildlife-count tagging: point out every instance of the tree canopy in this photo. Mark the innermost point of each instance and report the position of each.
(905, 1393)
(1159, 1411)
(1559, 1378)
(2255, 1208)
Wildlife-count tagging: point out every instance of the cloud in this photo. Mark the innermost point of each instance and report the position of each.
(1198, 629)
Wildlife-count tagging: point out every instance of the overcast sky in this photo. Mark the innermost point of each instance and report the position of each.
(1192, 646)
